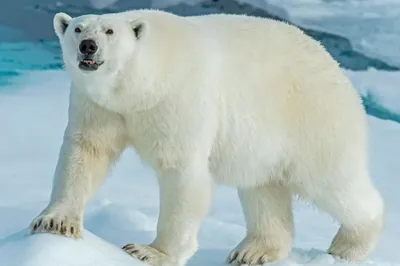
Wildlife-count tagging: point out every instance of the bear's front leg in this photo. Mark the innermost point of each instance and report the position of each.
(92, 141)
(81, 167)
(185, 196)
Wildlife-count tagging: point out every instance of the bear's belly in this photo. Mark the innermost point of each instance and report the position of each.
(245, 164)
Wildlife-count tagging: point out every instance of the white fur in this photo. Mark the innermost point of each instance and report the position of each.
(249, 102)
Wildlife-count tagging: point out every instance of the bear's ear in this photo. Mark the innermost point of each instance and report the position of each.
(138, 28)
(60, 23)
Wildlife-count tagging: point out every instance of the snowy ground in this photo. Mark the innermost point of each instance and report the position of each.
(33, 114)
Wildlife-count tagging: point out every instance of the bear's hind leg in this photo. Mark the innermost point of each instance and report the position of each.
(358, 206)
(268, 213)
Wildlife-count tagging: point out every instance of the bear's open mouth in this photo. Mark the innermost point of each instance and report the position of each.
(89, 64)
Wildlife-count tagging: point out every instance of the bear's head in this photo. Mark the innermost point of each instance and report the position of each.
(96, 44)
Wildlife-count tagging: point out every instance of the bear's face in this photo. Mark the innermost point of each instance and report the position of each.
(98, 44)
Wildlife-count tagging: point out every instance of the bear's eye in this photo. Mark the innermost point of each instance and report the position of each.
(109, 31)
(77, 30)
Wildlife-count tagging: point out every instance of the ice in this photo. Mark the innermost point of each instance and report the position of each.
(383, 86)
(371, 25)
(100, 4)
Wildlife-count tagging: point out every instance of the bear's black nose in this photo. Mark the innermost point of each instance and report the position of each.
(88, 47)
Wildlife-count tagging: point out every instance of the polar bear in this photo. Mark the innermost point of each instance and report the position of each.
(237, 100)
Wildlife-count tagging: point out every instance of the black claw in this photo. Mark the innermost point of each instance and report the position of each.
(234, 257)
(72, 230)
(35, 227)
(63, 230)
(51, 224)
(39, 223)
(144, 258)
(126, 246)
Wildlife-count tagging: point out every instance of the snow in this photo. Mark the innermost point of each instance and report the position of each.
(33, 108)
(160, 4)
(101, 4)
(369, 24)
(50, 250)
(384, 87)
